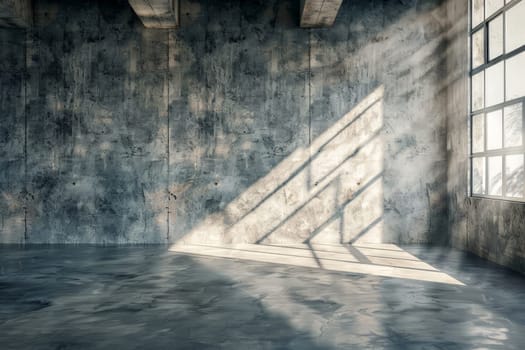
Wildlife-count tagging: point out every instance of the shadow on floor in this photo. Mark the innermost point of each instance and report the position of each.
(88, 297)
(102, 298)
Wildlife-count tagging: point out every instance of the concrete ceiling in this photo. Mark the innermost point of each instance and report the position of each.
(15, 13)
(157, 14)
(165, 13)
(319, 13)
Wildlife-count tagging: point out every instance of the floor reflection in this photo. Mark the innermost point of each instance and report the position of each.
(385, 260)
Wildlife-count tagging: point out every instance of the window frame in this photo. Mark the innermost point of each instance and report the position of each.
(502, 58)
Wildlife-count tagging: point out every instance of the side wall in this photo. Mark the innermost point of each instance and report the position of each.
(12, 137)
(489, 228)
(239, 126)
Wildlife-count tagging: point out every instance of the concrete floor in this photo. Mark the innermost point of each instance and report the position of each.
(152, 298)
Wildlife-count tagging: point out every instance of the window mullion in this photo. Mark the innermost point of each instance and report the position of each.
(486, 43)
(523, 139)
(508, 151)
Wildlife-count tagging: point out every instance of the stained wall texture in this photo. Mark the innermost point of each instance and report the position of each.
(237, 127)
(12, 138)
(492, 229)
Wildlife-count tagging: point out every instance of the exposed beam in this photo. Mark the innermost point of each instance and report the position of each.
(319, 13)
(159, 14)
(15, 13)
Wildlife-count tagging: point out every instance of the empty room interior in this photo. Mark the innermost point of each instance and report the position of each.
(262, 174)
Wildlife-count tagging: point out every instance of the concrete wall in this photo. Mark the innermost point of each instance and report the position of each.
(238, 126)
(492, 229)
(12, 138)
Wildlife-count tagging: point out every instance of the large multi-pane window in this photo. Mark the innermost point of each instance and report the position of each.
(497, 151)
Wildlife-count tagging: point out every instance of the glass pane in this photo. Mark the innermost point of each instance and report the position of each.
(513, 125)
(478, 175)
(514, 176)
(492, 6)
(514, 27)
(495, 176)
(478, 91)
(515, 71)
(478, 48)
(494, 84)
(494, 130)
(478, 133)
(477, 12)
(496, 37)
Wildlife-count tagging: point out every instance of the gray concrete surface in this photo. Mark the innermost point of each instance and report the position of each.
(12, 137)
(319, 13)
(157, 14)
(239, 121)
(16, 13)
(146, 297)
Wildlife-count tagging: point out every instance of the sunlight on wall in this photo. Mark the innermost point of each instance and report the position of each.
(331, 192)
(11, 223)
(322, 207)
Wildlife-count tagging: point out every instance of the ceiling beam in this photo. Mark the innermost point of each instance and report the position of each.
(157, 14)
(16, 13)
(319, 13)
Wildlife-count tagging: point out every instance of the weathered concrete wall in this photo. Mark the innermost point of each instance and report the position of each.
(238, 126)
(97, 126)
(12, 147)
(492, 229)
(398, 46)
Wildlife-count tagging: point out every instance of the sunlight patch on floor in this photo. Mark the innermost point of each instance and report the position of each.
(385, 260)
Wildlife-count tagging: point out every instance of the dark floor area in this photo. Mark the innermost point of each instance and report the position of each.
(150, 298)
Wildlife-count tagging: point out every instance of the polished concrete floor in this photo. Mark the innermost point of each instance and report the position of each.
(155, 298)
